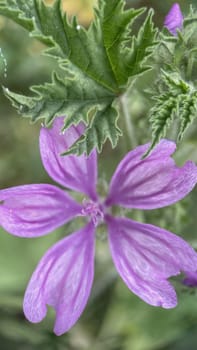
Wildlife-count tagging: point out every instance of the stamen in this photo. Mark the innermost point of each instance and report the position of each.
(93, 210)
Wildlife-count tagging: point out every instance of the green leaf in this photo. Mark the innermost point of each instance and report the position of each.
(115, 23)
(142, 47)
(19, 11)
(161, 116)
(74, 97)
(188, 111)
(96, 65)
(179, 100)
(102, 127)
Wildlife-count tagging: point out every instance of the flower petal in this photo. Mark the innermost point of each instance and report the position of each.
(145, 256)
(75, 172)
(174, 19)
(153, 182)
(191, 279)
(35, 210)
(63, 280)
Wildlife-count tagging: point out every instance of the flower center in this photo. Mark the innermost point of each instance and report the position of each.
(93, 210)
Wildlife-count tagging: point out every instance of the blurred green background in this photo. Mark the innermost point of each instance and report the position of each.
(114, 319)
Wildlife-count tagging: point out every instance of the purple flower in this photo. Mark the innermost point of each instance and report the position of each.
(191, 279)
(174, 19)
(144, 255)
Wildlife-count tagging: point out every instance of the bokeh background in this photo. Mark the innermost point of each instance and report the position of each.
(114, 319)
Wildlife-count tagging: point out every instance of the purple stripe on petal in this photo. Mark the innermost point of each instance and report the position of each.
(153, 182)
(145, 256)
(174, 19)
(35, 210)
(63, 280)
(76, 173)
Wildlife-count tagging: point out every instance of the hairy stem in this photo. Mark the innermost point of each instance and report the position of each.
(130, 138)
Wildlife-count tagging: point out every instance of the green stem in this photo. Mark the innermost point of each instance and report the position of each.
(190, 68)
(131, 139)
